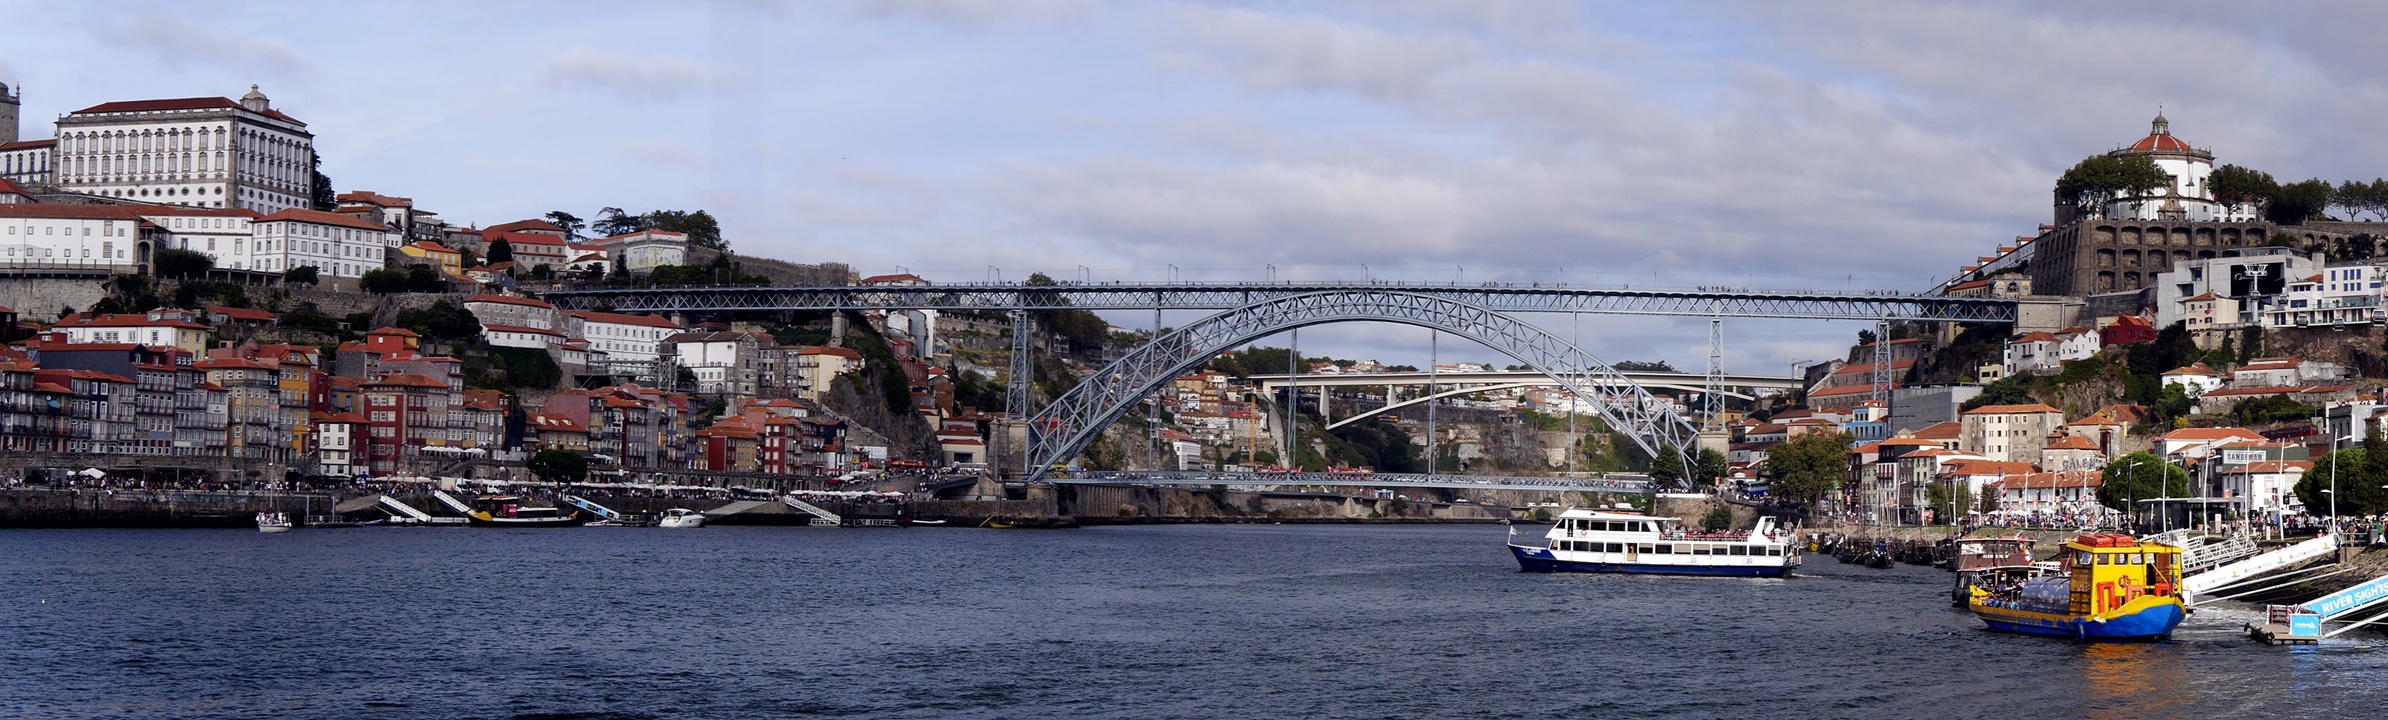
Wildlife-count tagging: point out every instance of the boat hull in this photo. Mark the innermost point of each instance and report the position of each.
(1541, 560)
(2150, 620)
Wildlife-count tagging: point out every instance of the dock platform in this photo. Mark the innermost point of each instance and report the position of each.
(2277, 634)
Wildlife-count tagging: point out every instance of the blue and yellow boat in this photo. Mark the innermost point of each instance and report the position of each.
(2113, 587)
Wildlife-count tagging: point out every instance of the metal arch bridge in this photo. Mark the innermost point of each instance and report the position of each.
(1063, 429)
(1637, 486)
(1673, 380)
(1708, 302)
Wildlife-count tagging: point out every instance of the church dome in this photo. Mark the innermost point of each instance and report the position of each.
(2160, 139)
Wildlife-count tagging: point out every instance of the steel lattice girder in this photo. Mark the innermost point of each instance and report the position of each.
(1063, 429)
(1178, 296)
(1373, 480)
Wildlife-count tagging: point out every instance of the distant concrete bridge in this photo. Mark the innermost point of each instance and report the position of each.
(1453, 384)
(1632, 485)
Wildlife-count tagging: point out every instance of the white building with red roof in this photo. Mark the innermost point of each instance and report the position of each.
(2339, 295)
(623, 338)
(73, 236)
(197, 152)
(27, 161)
(514, 310)
(646, 249)
(2186, 197)
(531, 249)
(338, 246)
(179, 329)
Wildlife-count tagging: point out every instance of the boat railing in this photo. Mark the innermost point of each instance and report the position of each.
(1708, 536)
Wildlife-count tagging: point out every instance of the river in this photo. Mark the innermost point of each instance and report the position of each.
(1220, 621)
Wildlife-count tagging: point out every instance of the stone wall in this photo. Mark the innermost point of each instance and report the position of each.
(54, 508)
(2102, 256)
(41, 298)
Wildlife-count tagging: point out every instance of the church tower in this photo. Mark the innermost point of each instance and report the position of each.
(8, 114)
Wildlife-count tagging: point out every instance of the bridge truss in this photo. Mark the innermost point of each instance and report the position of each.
(1697, 302)
(1062, 430)
(1370, 480)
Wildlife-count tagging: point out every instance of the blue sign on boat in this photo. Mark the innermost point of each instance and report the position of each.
(2305, 626)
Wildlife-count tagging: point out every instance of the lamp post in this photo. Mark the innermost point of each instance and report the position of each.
(2131, 489)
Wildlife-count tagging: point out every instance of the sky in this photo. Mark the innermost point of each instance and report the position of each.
(1801, 145)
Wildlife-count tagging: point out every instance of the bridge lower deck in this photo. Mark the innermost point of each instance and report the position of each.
(1367, 480)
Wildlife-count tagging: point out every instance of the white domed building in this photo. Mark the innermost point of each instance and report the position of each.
(2187, 197)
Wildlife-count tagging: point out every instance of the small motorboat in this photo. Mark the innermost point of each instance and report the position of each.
(681, 518)
(273, 522)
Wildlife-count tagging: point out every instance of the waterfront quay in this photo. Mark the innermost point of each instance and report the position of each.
(96, 505)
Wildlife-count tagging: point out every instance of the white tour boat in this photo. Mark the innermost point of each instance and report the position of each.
(681, 518)
(1610, 541)
(273, 522)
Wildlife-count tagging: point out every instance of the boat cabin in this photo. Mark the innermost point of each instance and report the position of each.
(1992, 553)
(2107, 570)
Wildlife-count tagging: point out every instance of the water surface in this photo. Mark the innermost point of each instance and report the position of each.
(1250, 621)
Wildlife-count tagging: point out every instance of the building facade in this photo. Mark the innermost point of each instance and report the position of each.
(198, 152)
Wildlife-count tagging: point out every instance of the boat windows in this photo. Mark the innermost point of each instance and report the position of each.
(1660, 550)
(1774, 552)
(1741, 550)
(1616, 547)
(1646, 550)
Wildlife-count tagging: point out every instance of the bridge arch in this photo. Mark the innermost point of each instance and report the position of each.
(1064, 428)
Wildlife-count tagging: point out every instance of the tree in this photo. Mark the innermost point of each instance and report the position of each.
(702, 230)
(1710, 466)
(2276, 408)
(558, 466)
(1808, 466)
(2234, 185)
(180, 263)
(425, 279)
(2297, 202)
(443, 320)
(1718, 518)
(2171, 402)
(2011, 390)
(2354, 475)
(383, 281)
(2090, 184)
(303, 274)
(1667, 468)
(571, 223)
(500, 251)
(2140, 476)
(322, 198)
(1865, 337)
(612, 221)
(1636, 366)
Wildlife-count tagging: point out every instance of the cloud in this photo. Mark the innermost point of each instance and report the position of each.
(642, 77)
(978, 14)
(178, 43)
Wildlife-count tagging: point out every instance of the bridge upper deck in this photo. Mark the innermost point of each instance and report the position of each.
(1505, 297)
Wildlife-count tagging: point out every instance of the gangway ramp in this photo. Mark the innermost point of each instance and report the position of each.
(601, 510)
(2337, 604)
(735, 508)
(2288, 557)
(404, 510)
(453, 503)
(821, 518)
